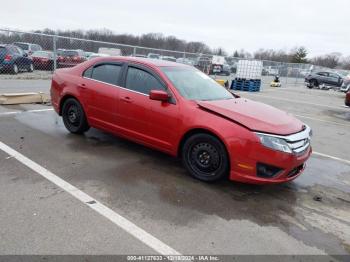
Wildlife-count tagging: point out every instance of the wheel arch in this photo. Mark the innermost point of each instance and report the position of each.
(315, 80)
(64, 99)
(200, 130)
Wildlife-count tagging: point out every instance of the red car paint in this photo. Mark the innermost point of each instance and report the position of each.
(347, 98)
(43, 60)
(163, 125)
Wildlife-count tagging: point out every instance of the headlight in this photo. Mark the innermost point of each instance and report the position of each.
(274, 143)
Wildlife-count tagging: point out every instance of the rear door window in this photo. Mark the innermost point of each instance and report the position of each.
(107, 73)
(142, 81)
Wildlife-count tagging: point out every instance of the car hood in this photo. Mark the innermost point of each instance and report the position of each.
(254, 115)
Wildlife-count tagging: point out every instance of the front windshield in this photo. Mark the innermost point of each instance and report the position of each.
(195, 85)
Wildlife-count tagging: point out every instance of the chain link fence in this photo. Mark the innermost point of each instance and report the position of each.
(36, 55)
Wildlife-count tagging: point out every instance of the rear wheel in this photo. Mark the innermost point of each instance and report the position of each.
(74, 117)
(205, 157)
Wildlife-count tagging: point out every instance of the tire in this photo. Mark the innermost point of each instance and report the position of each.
(74, 117)
(205, 157)
(30, 68)
(313, 83)
(14, 69)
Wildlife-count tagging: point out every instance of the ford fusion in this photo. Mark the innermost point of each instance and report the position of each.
(177, 109)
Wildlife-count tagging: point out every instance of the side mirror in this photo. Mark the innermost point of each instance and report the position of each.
(159, 95)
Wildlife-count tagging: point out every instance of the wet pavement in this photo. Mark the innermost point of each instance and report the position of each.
(310, 215)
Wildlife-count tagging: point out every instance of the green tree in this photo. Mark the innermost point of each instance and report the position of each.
(299, 55)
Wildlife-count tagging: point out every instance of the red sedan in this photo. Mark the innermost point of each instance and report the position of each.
(179, 110)
(43, 60)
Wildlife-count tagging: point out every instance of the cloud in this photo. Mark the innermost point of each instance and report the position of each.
(321, 26)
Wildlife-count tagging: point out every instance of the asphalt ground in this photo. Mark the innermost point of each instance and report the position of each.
(146, 202)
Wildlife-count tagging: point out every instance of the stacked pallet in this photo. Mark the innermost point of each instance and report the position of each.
(250, 85)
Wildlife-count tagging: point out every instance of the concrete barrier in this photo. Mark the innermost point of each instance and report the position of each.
(23, 98)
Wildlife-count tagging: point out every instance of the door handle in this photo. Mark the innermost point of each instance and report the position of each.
(126, 99)
(83, 86)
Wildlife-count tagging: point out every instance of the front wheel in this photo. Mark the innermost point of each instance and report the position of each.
(74, 117)
(205, 157)
(313, 83)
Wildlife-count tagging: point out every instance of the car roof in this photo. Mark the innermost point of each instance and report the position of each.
(148, 61)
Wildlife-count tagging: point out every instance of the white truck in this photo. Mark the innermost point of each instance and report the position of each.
(110, 51)
(217, 63)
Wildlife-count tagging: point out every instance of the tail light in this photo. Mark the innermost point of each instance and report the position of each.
(8, 58)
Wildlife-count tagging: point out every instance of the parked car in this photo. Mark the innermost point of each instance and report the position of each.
(185, 61)
(138, 55)
(181, 111)
(88, 54)
(29, 48)
(110, 51)
(323, 78)
(43, 60)
(153, 56)
(226, 70)
(69, 58)
(346, 84)
(347, 99)
(168, 58)
(13, 59)
(60, 52)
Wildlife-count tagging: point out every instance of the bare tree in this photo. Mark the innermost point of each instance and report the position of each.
(329, 60)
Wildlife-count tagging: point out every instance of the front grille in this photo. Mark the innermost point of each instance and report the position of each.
(299, 142)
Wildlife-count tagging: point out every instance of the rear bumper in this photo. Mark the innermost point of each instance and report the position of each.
(6, 67)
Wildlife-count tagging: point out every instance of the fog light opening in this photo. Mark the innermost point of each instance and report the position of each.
(267, 171)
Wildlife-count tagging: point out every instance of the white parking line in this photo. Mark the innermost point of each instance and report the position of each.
(298, 101)
(332, 157)
(103, 210)
(25, 111)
